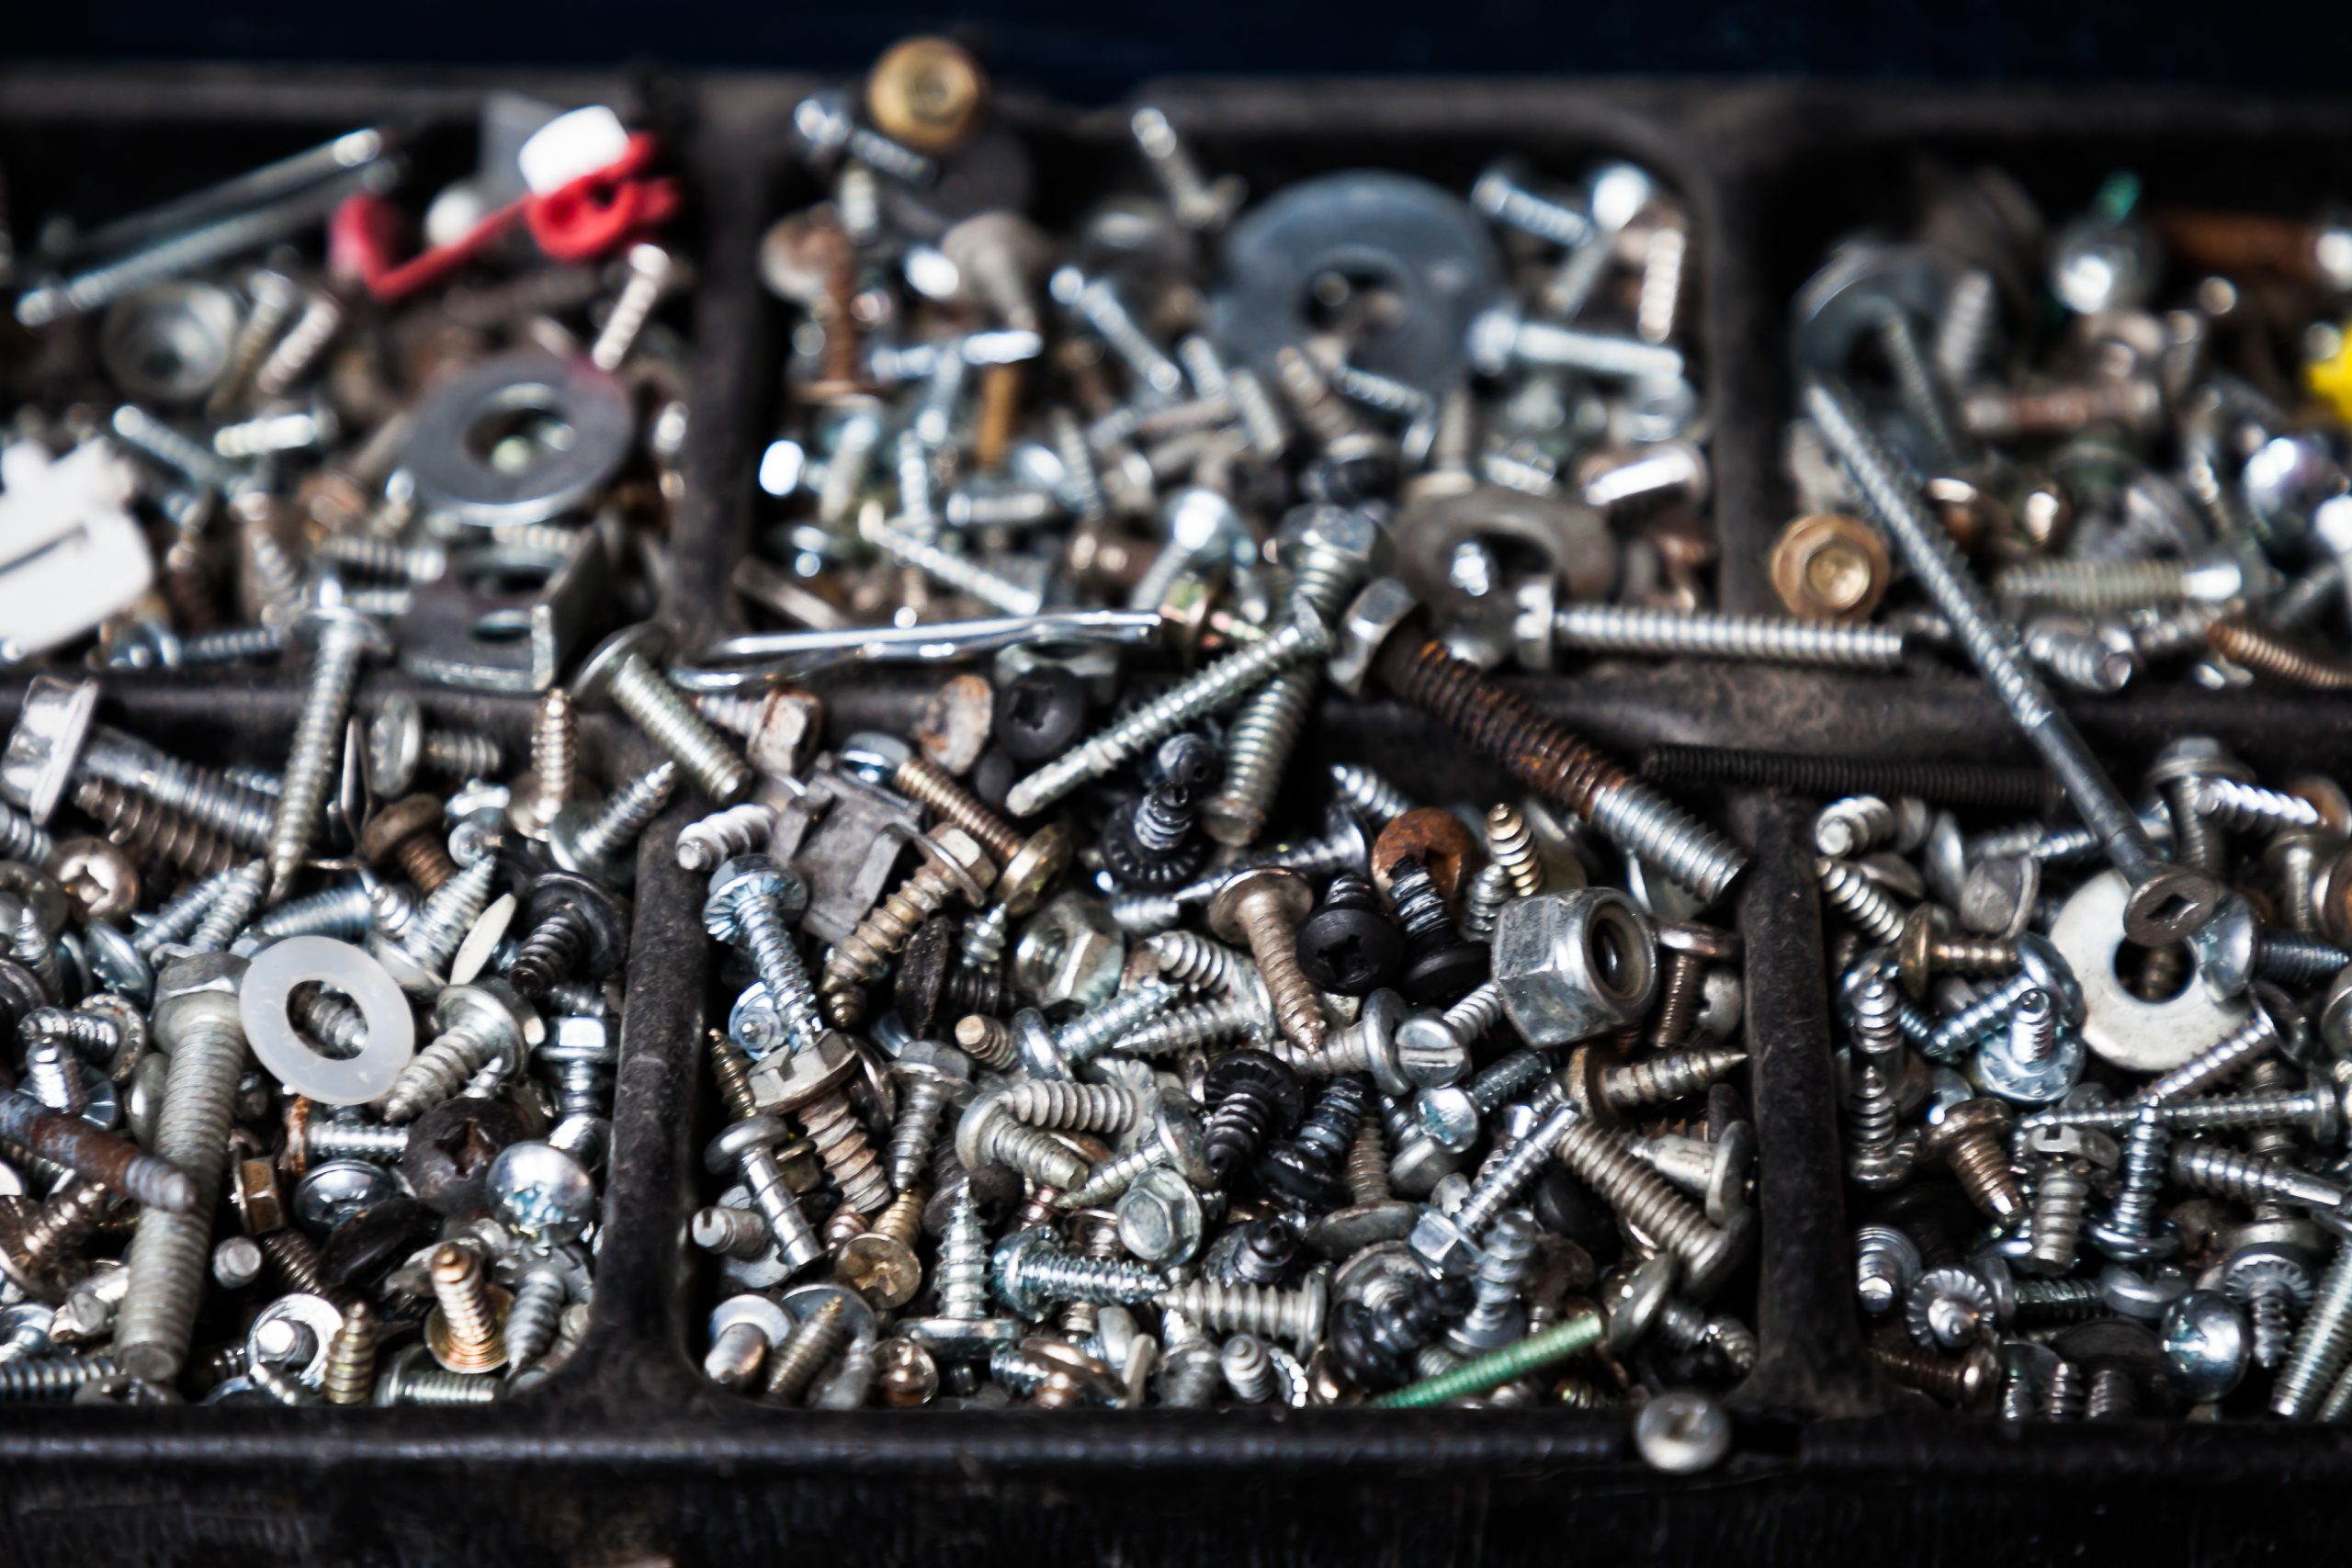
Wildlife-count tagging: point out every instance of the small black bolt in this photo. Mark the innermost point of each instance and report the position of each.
(1250, 1094)
(1039, 713)
(1374, 1345)
(1307, 1171)
(578, 930)
(1350, 946)
(374, 1240)
(1441, 967)
(1264, 1252)
(1149, 843)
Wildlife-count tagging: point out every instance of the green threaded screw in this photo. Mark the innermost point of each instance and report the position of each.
(1496, 1368)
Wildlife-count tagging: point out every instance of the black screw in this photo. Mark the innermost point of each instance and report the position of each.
(1441, 967)
(578, 929)
(1307, 1171)
(1039, 713)
(450, 1149)
(934, 984)
(1250, 1094)
(1992, 785)
(1374, 1345)
(1350, 946)
(1567, 1207)
(1149, 843)
(1264, 1252)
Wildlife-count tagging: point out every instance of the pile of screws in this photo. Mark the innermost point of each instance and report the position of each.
(985, 418)
(387, 1028)
(1228, 1142)
(247, 402)
(1062, 1068)
(2096, 1178)
(2135, 422)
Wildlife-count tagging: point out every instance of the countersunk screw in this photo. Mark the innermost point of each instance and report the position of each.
(342, 642)
(2168, 903)
(624, 668)
(1263, 908)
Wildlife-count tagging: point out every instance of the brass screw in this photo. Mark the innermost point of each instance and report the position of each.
(466, 1331)
(1828, 566)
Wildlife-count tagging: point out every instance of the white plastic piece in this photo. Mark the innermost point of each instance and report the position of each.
(71, 554)
(572, 145)
(262, 1001)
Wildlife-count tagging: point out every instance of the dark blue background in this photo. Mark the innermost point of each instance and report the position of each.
(1088, 48)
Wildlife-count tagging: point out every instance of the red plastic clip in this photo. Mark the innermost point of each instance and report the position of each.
(590, 217)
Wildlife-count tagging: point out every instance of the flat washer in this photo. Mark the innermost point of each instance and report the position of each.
(447, 453)
(1422, 243)
(2143, 1037)
(269, 984)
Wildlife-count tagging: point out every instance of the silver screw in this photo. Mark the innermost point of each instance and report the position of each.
(1699, 634)
(649, 273)
(622, 668)
(197, 1021)
(1298, 639)
(2168, 903)
(342, 642)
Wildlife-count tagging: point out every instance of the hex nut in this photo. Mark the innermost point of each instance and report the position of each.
(1571, 965)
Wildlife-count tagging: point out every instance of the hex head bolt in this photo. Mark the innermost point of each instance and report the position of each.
(197, 1021)
(1215, 687)
(954, 870)
(1384, 636)
(747, 1147)
(753, 903)
(1449, 1243)
(1263, 907)
(2168, 903)
(342, 643)
(622, 668)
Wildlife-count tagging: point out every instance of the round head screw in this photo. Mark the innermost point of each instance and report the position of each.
(542, 1193)
(1430, 1053)
(737, 1139)
(1350, 944)
(2205, 1345)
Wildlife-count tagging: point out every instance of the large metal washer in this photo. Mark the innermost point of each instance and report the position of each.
(453, 477)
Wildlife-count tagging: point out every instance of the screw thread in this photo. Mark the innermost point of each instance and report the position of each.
(1368, 795)
(462, 1290)
(318, 740)
(1208, 1023)
(923, 1104)
(671, 722)
(23, 839)
(848, 1155)
(1869, 906)
(2271, 1312)
(436, 1073)
(1572, 1336)
(170, 1252)
(2062, 1199)
(1509, 1173)
(986, 1041)
(1698, 634)
(2217, 1062)
(531, 1320)
(761, 932)
(350, 1377)
(238, 897)
(152, 832)
(355, 1140)
(1886, 1263)
(1295, 1315)
(1960, 1382)
(815, 1343)
(961, 573)
(932, 786)
(447, 913)
(1965, 1028)
(62, 1221)
(555, 752)
(43, 1378)
(214, 801)
(865, 955)
(347, 912)
(1548, 758)
(2248, 1178)
(1215, 686)
(1955, 783)
(2322, 1348)
(738, 829)
(626, 815)
(1660, 1079)
(631, 309)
